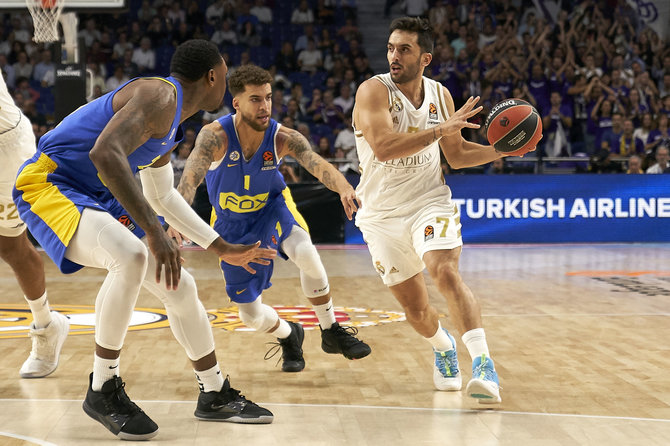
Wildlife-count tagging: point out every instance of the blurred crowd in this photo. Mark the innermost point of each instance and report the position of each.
(599, 78)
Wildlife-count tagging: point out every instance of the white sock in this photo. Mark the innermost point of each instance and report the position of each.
(283, 331)
(210, 380)
(103, 371)
(325, 313)
(40, 310)
(475, 341)
(440, 341)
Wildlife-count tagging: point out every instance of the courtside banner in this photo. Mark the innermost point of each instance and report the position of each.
(560, 208)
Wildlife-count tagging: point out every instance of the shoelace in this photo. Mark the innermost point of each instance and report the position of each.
(447, 363)
(120, 402)
(347, 334)
(483, 371)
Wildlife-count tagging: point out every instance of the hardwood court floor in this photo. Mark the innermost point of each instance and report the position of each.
(579, 334)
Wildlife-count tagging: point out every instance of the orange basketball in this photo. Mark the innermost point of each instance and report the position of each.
(513, 126)
(48, 4)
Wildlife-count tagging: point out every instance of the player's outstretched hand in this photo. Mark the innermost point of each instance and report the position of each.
(243, 255)
(459, 120)
(350, 202)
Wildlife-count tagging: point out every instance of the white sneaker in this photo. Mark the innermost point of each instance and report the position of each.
(484, 385)
(47, 343)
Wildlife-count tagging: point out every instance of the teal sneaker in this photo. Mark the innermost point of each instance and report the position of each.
(446, 375)
(484, 384)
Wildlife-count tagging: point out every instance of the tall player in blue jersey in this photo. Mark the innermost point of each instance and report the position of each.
(239, 154)
(80, 200)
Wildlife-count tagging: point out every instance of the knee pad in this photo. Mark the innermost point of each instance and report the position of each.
(257, 315)
(299, 248)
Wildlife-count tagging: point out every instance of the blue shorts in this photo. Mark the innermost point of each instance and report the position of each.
(51, 206)
(271, 226)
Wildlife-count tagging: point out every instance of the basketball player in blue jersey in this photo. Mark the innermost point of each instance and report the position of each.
(402, 122)
(238, 155)
(79, 197)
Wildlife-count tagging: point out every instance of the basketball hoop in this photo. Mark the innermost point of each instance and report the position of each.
(45, 15)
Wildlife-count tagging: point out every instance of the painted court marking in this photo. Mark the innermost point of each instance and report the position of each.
(491, 409)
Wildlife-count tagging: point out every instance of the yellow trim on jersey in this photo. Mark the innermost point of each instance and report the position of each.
(241, 204)
(46, 200)
(212, 218)
(164, 80)
(293, 209)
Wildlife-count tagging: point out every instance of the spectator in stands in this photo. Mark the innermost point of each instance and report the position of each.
(601, 118)
(660, 136)
(288, 172)
(642, 131)
(297, 94)
(130, 68)
(349, 31)
(662, 156)
(329, 114)
(293, 110)
(179, 158)
(225, 35)
(315, 104)
(176, 14)
(627, 144)
(556, 125)
(146, 12)
(538, 86)
(634, 107)
(324, 149)
(215, 12)
(116, 80)
(90, 33)
(345, 145)
(664, 86)
(496, 167)
(286, 60)
(121, 45)
(278, 108)
(613, 133)
(262, 12)
(310, 59)
(43, 67)
(304, 130)
(157, 32)
(145, 57)
(181, 34)
(287, 121)
(302, 14)
(7, 71)
(249, 35)
(95, 81)
(634, 165)
(307, 33)
(345, 99)
(22, 66)
(24, 90)
(325, 13)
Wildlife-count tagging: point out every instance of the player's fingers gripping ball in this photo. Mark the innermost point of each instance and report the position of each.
(513, 127)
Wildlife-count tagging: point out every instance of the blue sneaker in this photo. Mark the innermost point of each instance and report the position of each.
(484, 383)
(446, 375)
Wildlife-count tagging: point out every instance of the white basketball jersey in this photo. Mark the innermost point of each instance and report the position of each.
(10, 114)
(403, 185)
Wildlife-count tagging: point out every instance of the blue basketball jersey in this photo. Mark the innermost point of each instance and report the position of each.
(69, 144)
(240, 188)
(250, 202)
(54, 187)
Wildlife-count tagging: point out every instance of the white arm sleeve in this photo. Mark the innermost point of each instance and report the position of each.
(158, 188)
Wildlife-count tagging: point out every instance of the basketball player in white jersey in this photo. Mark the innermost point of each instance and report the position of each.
(402, 120)
(48, 329)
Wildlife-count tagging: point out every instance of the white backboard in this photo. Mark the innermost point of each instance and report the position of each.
(70, 4)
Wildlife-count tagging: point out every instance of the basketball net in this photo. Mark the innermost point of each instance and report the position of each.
(45, 15)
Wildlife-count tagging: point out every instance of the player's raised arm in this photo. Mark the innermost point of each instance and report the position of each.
(377, 126)
(291, 142)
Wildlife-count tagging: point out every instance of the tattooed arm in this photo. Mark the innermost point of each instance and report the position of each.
(291, 142)
(210, 146)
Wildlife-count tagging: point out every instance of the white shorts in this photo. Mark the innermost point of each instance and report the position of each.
(16, 146)
(397, 244)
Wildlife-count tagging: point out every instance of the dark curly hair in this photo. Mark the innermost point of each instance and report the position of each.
(416, 25)
(248, 74)
(194, 58)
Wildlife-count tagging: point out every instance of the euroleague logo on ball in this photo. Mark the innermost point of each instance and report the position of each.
(504, 121)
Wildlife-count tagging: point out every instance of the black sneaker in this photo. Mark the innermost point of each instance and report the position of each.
(291, 348)
(228, 405)
(114, 410)
(338, 339)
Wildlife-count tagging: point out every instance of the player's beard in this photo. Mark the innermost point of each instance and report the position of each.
(253, 123)
(408, 73)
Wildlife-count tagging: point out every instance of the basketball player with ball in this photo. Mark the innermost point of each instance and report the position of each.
(402, 120)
